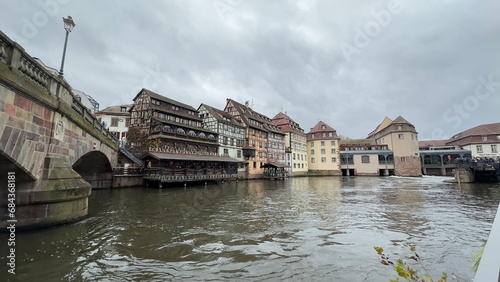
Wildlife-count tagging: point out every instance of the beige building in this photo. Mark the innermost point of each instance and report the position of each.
(323, 150)
(365, 157)
(295, 144)
(401, 138)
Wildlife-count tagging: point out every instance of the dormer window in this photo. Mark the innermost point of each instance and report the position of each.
(485, 138)
(399, 127)
(123, 109)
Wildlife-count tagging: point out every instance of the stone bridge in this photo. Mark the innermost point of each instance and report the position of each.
(51, 147)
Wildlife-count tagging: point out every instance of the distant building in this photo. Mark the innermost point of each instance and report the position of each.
(295, 144)
(323, 150)
(482, 140)
(439, 157)
(401, 138)
(264, 142)
(87, 100)
(231, 132)
(117, 120)
(365, 157)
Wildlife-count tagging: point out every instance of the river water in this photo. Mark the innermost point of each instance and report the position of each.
(300, 229)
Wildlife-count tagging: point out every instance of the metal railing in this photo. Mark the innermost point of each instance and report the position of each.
(489, 267)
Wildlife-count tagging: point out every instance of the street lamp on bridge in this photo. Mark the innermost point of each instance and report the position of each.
(69, 24)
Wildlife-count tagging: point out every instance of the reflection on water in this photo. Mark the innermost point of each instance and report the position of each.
(315, 229)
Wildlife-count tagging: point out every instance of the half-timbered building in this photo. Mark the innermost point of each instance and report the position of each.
(231, 132)
(295, 143)
(264, 148)
(180, 148)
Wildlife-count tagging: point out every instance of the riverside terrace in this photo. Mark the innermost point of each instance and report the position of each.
(173, 165)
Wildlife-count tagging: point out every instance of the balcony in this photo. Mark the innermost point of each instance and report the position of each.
(248, 152)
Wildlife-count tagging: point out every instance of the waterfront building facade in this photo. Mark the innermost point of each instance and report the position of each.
(323, 150)
(401, 138)
(365, 157)
(264, 142)
(231, 133)
(483, 141)
(295, 144)
(117, 120)
(180, 148)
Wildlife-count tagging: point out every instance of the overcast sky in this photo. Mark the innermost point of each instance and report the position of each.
(347, 63)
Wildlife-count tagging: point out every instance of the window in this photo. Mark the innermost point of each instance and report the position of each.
(485, 138)
(403, 159)
(226, 152)
(114, 121)
(312, 152)
(323, 151)
(399, 127)
(330, 134)
(323, 160)
(254, 164)
(479, 148)
(312, 144)
(494, 149)
(332, 143)
(323, 127)
(401, 136)
(238, 154)
(123, 109)
(312, 160)
(365, 159)
(293, 156)
(312, 135)
(334, 160)
(323, 134)
(322, 143)
(334, 151)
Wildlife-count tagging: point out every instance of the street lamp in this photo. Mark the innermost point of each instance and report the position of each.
(69, 24)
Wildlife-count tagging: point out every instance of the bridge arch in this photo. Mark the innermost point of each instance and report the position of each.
(95, 168)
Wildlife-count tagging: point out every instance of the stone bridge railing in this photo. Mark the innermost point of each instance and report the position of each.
(21, 72)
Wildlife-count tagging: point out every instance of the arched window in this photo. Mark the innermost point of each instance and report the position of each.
(202, 135)
(191, 133)
(167, 128)
(211, 136)
(180, 130)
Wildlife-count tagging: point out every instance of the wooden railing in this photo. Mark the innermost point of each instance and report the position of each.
(186, 174)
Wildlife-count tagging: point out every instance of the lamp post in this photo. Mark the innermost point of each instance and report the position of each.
(69, 24)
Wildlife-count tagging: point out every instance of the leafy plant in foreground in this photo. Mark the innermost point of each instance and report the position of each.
(404, 270)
